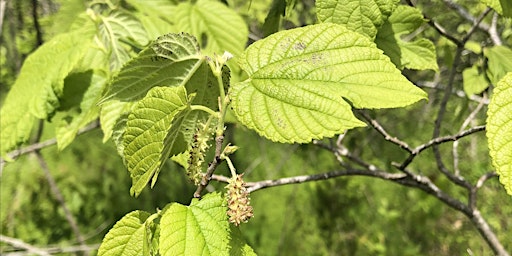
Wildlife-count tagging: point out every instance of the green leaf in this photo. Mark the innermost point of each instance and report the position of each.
(170, 61)
(499, 62)
(417, 54)
(88, 111)
(39, 84)
(154, 15)
(217, 27)
(200, 229)
(499, 130)
(153, 134)
(126, 237)
(364, 17)
(120, 26)
(110, 114)
(474, 81)
(503, 7)
(299, 80)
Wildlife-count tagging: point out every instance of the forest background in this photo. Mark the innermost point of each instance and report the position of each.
(352, 215)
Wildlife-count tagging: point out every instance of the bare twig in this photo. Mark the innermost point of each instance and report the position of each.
(2, 14)
(493, 30)
(60, 198)
(40, 145)
(17, 243)
(211, 167)
(385, 134)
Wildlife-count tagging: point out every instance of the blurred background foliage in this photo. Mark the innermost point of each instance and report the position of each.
(342, 216)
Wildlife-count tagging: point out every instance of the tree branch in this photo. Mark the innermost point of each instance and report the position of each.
(211, 167)
(17, 243)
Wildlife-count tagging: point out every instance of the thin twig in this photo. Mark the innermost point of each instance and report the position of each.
(40, 145)
(211, 167)
(17, 243)
(458, 93)
(60, 199)
(493, 30)
(375, 124)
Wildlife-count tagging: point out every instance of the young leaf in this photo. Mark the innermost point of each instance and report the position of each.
(126, 237)
(200, 229)
(499, 130)
(418, 54)
(364, 17)
(499, 62)
(299, 80)
(121, 26)
(217, 27)
(474, 81)
(40, 82)
(170, 61)
(152, 134)
(503, 7)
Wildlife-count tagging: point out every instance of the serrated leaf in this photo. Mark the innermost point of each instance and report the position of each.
(503, 7)
(416, 54)
(499, 130)
(117, 27)
(170, 61)
(474, 81)
(152, 134)
(39, 84)
(199, 229)
(126, 237)
(217, 27)
(87, 110)
(299, 80)
(110, 114)
(499, 62)
(364, 17)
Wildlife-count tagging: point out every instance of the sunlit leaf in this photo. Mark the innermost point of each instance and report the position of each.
(499, 62)
(200, 229)
(150, 138)
(170, 61)
(474, 81)
(126, 238)
(364, 17)
(300, 81)
(406, 53)
(39, 84)
(499, 130)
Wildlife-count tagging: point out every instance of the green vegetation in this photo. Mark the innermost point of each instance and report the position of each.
(329, 127)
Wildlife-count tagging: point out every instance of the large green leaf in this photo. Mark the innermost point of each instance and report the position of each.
(126, 238)
(414, 54)
(364, 17)
(117, 27)
(299, 80)
(39, 84)
(499, 62)
(217, 27)
(170, 61)
(153, 134)
(499, 130)
(200, 229)
(503, 7)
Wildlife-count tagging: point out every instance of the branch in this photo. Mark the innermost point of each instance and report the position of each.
(17, 243)
(50, 142)
(211, 167)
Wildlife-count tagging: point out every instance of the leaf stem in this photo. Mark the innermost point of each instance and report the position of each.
(205, 109)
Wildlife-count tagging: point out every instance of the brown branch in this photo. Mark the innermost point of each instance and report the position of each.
(385, 134)
(211, 167)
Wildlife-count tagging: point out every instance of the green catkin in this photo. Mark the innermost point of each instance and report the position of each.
(199, 147)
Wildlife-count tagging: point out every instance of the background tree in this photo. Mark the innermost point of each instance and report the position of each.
(82, 55)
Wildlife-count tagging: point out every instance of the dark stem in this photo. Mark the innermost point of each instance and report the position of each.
(211, 167)
(37, 26)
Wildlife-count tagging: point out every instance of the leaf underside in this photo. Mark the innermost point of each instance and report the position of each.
(301, 79)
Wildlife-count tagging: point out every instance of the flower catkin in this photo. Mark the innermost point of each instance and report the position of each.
(197, 152)
(239, 208)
